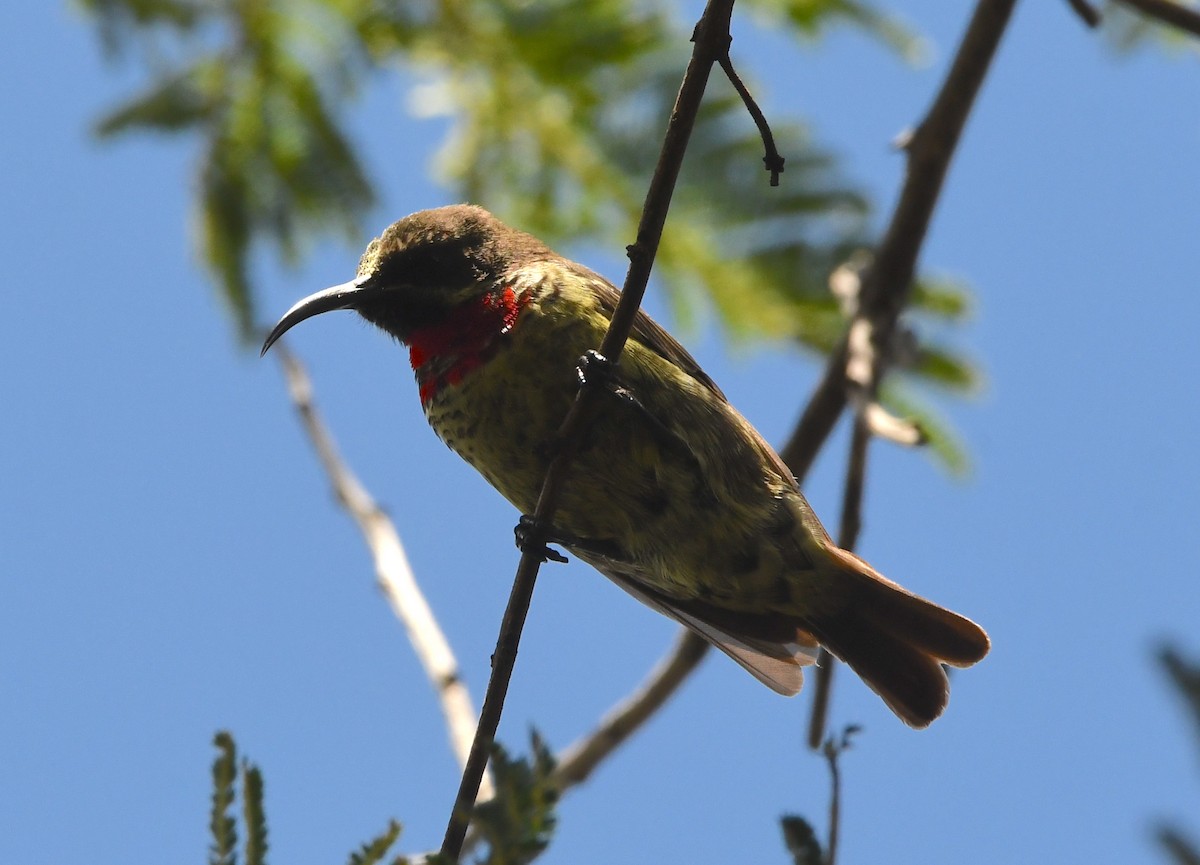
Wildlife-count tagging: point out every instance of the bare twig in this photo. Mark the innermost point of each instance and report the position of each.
(1087, 13)
(833, 749)
(772, 160)
(858, 363)
(392, 569)
(1168, 12)
(576, 763)
(889, 279)
(848, 531)
(710, 38)
(1181, 850)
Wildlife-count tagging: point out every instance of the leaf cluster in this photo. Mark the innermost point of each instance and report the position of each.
(223, 820)
(556, 110)
(517, 823)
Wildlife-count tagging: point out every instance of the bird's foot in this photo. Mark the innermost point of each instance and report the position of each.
(595, 370)
(533, 538)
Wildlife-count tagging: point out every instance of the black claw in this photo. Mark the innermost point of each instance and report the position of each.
(529, 540)
(594, 368)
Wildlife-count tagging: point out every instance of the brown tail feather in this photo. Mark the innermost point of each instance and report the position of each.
(897, 642)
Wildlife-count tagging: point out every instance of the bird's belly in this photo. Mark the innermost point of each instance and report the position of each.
(627, 492)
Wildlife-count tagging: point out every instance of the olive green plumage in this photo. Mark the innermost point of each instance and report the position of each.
(673, 495)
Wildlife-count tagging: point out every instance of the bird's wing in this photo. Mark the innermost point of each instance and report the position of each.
(654, 337)
(778, 665)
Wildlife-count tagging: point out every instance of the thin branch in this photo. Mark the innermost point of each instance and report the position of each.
(392, 569)
(1087, 13)
(579, 760)
(858, 363)
(833, 750)
(848, 531)
(889, 279)
(1168, 12)
(1181, 850)
(576, 762)
(772, 160)
(710, 38)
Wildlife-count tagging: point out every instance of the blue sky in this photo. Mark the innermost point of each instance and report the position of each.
(172, 563)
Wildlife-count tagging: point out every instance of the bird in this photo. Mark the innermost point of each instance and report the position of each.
(672, 494)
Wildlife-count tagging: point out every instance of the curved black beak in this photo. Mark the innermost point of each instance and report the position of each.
(345, 296)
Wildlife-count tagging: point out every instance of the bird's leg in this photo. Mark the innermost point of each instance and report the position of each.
(532, 538)
(596, 370)
(529, 535)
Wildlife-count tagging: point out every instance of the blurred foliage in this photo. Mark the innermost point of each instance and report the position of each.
(517, 823)
(1128, 29)
(223, 823)
(801, 841)
(375, 851)
(1184, 674)
(557, 110)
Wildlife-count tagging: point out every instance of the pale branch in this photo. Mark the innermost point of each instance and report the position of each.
(711, 39)
(888, 280)
(577, 762)
(1168, 12)
(772, 160)
(392, 569)
(862, 364)
(1087, 13)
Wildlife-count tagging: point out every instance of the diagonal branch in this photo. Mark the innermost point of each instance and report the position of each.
(848, 531)
(710, 38)
(888, 281)
(392, 569)
(578, 761)
(1087, 13)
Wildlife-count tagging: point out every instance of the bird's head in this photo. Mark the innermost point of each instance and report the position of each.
(423, 268)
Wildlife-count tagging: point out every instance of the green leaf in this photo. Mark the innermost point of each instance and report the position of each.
(941, 298)
(1127, 30)
(801, 841)
(222, 824)
(943, 442)
(518, 821)
(182, 100)
(253, 815)
(940, 367)
(812, 18)
(373, 852)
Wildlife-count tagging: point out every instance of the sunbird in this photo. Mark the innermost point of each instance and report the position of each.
(672, 495)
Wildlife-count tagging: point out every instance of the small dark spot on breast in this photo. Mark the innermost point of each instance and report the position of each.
(655, 502)
(745, 562)
(782, 589)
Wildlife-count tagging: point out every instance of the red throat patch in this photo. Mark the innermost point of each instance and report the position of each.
(442, 354)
